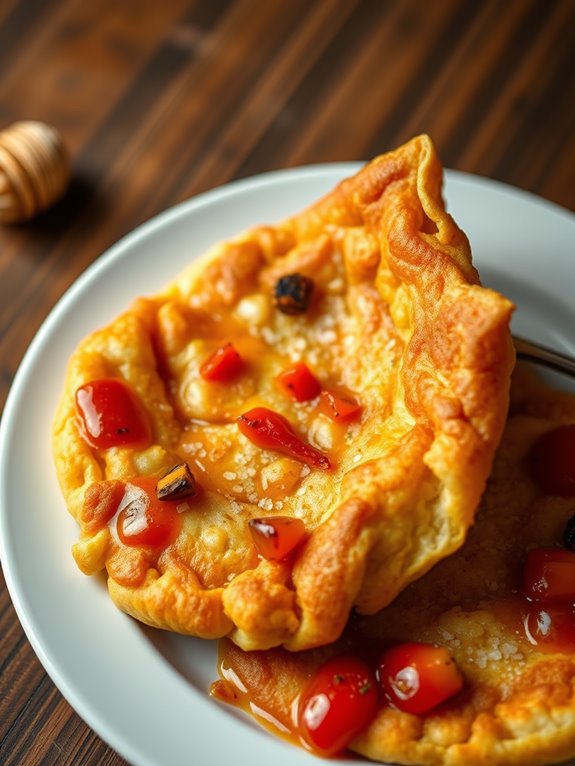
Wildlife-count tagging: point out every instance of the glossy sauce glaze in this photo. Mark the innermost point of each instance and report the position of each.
(288, 443)
(534, 611)
(550, 629)
(146, 521)
(109, 414)
(342, 681)
(230, 689)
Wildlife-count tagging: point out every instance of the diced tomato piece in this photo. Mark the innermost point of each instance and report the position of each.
(223, 365)
(299, 382)
(109, 414)
(340, 701)
(553, 458)
(417, 677)
(550, 628)
(276, 536)
(338, 407)
(269, 430)
(146, 520)
(549, 575)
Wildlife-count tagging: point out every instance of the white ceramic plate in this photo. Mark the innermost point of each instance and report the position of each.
(145, 691)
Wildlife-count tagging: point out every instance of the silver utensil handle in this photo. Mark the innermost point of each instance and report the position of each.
(535, 352)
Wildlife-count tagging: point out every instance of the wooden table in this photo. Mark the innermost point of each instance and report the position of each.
(158, 101)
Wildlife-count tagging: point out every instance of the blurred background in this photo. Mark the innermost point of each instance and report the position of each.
(158, 101)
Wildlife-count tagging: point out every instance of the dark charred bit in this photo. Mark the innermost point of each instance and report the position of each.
(292, 293)
(177, 483)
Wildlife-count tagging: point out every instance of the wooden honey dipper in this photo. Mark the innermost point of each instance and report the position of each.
(34, 170)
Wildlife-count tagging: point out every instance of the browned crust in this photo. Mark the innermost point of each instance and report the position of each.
(518, 704)
(399, 512)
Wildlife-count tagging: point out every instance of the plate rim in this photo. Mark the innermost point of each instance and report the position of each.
(106, 261)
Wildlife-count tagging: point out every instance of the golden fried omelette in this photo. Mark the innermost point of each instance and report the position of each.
(517, 658)
(383, 454)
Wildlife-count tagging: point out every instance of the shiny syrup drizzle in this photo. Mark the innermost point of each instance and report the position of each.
(282, 720)
(229, 688)
(541, 614)
(545, 625)
(148, 521)
(546, 628)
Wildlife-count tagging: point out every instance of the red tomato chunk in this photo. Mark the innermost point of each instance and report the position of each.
(416, 677)
(275, 537)
(299, 382)
(223, 365)
(340, 701)
(549, 575)
(109, 414)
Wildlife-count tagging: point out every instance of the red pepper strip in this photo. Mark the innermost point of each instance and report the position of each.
(269, 430)
(223, 365)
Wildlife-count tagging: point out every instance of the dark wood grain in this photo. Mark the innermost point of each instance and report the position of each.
(158, 101)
